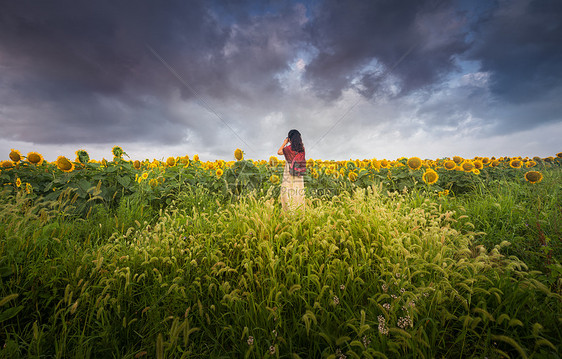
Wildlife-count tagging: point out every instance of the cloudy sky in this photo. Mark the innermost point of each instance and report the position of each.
(359, 79)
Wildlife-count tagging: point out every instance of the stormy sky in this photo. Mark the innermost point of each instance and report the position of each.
(358, 79)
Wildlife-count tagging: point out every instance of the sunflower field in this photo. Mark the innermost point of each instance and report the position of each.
(131, 258)
(87, 181)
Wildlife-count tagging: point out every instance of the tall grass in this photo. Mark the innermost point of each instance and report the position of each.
(528, 216)
(373, 274)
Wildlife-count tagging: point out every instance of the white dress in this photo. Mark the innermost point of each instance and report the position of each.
(292, 191)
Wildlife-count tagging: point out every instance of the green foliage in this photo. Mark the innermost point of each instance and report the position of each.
(373, 273)
(86, 186)
(526, 215)
(197, 259)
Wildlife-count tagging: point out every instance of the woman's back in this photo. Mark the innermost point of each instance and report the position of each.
(292, 187)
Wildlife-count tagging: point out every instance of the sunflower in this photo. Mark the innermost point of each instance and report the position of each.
(117, 151)
(137, 164)
(274, 179)
(476, 171)
(430, 177)
(7, 164)
(314, 174)
(467, 166)
(273, 161)
(533, 176)
(385, 163)
(196, 158)
(352, 176)
(144, 175)
(28, 188)
(559, 155)
(153, 182)
(35, 158)
(478, 164)
(64, 164)
(82, 156)
(15, 155)
(184, 160)
(414, 163)
(530, 163)
(495, 163)
(350, 165)
(450, 165)
(219, 172)
(375, 164)
(171, 162)
(457, 159)
(485, 160)
(238, 154)
(18, 182)
(515, 163)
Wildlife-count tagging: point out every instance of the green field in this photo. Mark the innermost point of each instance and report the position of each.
(203, 268)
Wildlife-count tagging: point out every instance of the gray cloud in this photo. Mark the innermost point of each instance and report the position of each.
(83, 72)
(413, 41)
(518, 43)
(68, 57)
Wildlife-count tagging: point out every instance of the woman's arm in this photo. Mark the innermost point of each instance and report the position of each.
(280, 150)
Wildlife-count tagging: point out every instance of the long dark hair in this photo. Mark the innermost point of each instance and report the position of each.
(296, 141)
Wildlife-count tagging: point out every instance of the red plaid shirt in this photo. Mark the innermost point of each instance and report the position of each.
(289, 154)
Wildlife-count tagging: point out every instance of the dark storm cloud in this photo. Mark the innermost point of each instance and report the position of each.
(84, 72)
(62, 61)
(97, 46)
(393, 49)
(412, 41)
(519, 44)
(66, 56)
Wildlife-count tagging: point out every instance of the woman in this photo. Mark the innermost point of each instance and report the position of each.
(292, 187)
